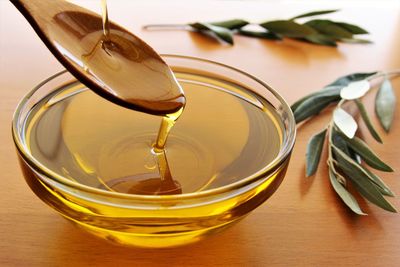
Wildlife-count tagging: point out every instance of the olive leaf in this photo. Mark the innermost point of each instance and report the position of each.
(338, 139)
(355, 41)
(330, 31)
(345, 122)
(259, 34)
(385, 102)
(361, 181)
(367, 121)
(220, 33)
(354, 29)
(355, 90)
(345, 80)
(315, 13)
(312, 106)
(331, 91)
(313, 154)
(288, 28)
(329, 28)
(321, 39)
(365, 152)
(345, 195)
(232, 24)
(314, 103)
(382, 187)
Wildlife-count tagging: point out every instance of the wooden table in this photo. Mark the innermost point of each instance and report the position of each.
(303, 224)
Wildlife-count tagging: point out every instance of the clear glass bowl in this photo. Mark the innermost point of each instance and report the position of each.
(156, 221)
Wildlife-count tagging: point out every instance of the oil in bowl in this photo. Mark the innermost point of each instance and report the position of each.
(93, 162)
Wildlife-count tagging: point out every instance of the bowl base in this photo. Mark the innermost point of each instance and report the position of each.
(162, 240)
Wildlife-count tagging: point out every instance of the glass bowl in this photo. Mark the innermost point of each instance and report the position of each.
(155, 220)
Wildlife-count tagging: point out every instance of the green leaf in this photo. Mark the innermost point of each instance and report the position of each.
(362, 149)
(355, 90)
(219, 32)
(355, 41)
(329, 28)
(354, 29)
(367, 121)
(341, 144)
(345, 122)
(385, 103)
(361, 181)
(312, 106)
(313, 154)
(339, 141)
(321, 39)
(315, 13)
(232, 24)
(345, 195)
(332, 93)
(345, 80)
(296, 104)
(382, 187)
(258, 34)
(288, 28)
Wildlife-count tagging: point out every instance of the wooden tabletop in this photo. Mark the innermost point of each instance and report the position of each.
(303, 224)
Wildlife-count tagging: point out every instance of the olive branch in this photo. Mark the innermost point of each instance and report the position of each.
(346, 151)
(317, 31)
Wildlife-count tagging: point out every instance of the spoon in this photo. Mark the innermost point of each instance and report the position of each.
(112, 62)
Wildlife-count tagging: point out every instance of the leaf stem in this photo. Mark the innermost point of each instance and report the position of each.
(331, 161)
(330, 141)
(384, 73)
(166, 26)
(341, 102)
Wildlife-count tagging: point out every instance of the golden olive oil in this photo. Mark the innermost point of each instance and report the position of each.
(225, 134)
(222, 137)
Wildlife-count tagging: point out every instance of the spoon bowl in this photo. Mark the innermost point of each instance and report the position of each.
(114, 63)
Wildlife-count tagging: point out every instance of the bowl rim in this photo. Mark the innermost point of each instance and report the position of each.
(284, 151)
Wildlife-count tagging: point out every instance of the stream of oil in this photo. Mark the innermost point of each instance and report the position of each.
(164, 184)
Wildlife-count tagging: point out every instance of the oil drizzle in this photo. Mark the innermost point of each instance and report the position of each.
(106, 24)
(165, 184)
